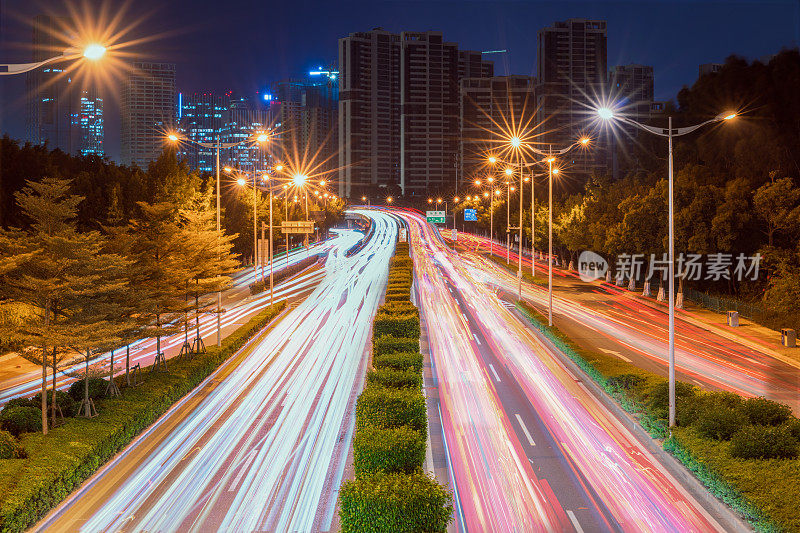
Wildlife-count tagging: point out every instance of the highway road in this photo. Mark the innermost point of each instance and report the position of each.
(528, 447)
(19, 377)
(261, 445)
(602, 317)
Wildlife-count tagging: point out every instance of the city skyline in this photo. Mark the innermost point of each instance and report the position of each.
(633, 38)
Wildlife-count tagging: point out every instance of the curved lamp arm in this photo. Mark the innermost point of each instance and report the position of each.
(21, 68)
(664, 132)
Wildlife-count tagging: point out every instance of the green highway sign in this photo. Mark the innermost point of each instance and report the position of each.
(435, 217)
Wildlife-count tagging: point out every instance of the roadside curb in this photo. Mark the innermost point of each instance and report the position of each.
(727, 517)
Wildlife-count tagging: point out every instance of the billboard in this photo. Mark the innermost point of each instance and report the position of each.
(470, 215)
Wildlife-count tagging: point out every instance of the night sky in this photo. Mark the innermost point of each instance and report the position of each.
(245, 45)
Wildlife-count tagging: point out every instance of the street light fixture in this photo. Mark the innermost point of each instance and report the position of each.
(606, 113)
(92, 52)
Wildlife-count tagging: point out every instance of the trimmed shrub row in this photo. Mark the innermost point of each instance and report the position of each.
(52, 466)
(391, 493)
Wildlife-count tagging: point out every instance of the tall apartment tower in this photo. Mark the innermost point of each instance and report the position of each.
(89, 123)
(244, 118)
(399, 110)
(369, 112)
(430, 109)
(201, 117)
(633, 87)
(488, 107)
(308, 118)
(148, 110)
(50, 104)
(572, 71)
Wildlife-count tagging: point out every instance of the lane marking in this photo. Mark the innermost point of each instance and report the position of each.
(525, 430)
(494, 372)
(476, 339)
(575, 522)
(244, 468)
(613, 352)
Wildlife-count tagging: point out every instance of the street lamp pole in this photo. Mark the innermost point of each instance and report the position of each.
(607, 114)
(521, 188)
(549, 241)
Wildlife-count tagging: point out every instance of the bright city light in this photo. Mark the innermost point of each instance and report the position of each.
(172, 137)
(605, 113)
(94, 52)
(509, 172)
(493, 160)
(227, 169)
(515, 142)
(262, 137)
(729, 117)
(299, 180)
(241, 181)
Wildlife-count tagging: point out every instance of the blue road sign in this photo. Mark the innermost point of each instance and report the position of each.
(470, 215)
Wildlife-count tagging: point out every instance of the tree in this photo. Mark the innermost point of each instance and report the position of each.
(776, 204)
(161, 263)
(212, 263)
(57, 269)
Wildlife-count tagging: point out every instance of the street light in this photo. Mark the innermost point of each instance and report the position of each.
(606, 113)
(174, 138)
(550, 158)
(92, 52)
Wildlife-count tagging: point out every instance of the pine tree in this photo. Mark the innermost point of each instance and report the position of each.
(213, 259)
(161, 263)
(56, 269)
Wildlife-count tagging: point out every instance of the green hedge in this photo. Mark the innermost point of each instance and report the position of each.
(764, 442)
(10, 449)
(57, 463)
(391, 408)
(395, 503)
(396, 325)
(377, 449)
(398, 296)
(18, 420)
(399, 361)
(388, 344)
(97, 389)
(391, 377)
(390, 493)
(398, 308)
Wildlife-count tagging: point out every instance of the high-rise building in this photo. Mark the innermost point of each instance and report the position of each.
(61, 112)
(489, 107)
(89, 124)
(201, 117)
(400, 110)
(148, 111)
(572, 78)
(308, 117)
(632, 88)
(50, 105)
(243, 119)
(369, 112)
